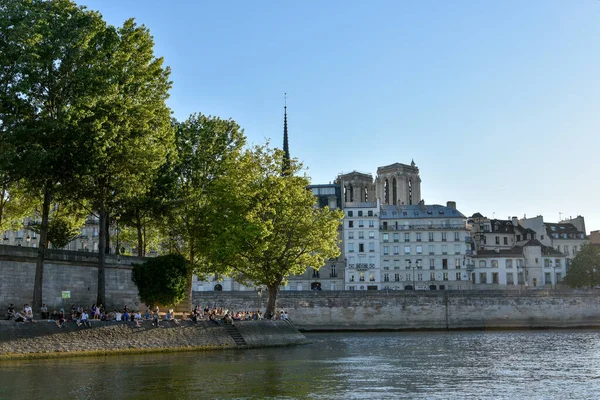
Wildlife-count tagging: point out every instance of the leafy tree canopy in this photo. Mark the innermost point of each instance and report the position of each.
(162, 280)
(584, 270)
(266, 225)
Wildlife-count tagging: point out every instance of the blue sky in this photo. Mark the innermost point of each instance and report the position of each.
(497, 102)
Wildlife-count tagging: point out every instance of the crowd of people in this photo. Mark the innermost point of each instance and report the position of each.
(82, 316)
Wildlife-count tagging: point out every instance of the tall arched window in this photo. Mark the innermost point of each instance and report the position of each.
(410, 191)
(366, 194)
(351, 189)
(386, 192)
(394, 192)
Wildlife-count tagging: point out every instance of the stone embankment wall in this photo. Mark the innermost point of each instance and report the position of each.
(423, 310)
(46, 339)
(72, 271)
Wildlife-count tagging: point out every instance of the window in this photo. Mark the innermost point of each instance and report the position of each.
(431, 236)
(548, 278)
(386, 250)
(407, 237)
(558, 277)
(350, 224)
(505, 241)
(510, 278)
(361, 276)
(371, 223)
(445, 276)
(419, 264)
(457, 263)
(419, 249)
(350, 235)
(431, 263)
(497, 239)
(457, 249)
(444, 263)
(495, 277)
(396, 237)
(432, 276)
(494, 263)
(431, 249)
(371, 277)
(396, 250)
(520, 278)
(406, 249)
(350, 247)
(444, 249)
(407, 263)
(361, 223)
(370, 213)
(361, 234)
(386, 277)
(419, 277)
(482, 277)
(557, 262)
(482, 263)
(371, 247)
(360, 213)
(418, 236)
(566, 250)
(350, 213)
(396, 264)
(361, 247)
(371, 235)
(443, 236)
(397, 277)
(386, 237)
(352, 278)
(456, 236)
(333, 272)
(508, 264)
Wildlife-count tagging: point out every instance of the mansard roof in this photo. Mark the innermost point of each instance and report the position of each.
(502, 226)
(517, 250)
(418, 211)
(560, 228)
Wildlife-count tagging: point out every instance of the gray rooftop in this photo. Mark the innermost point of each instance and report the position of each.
(418, 211)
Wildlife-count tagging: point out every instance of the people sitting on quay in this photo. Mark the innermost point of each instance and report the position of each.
(44, 311)
(125, 314)
(84, 319)
(118, 315)
(19, 317)
(170, 316)
(147, 314)
(60, 318)
(137, 317)
(10, 312)
(156, 317)
(28, 312)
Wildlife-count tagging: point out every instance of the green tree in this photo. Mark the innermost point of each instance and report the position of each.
(206, 149)
(48, 78)
(266, 226)
(162, 280)
(129, 132)
(584, 271)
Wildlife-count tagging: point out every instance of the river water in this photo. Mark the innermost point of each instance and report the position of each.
(390, 365)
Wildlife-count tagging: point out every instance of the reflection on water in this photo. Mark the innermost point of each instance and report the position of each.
(423, 365)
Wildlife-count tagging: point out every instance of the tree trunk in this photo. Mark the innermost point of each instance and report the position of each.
(270, 310)
(140, 238)
(39, 262)
(107, 227)
(101, 298)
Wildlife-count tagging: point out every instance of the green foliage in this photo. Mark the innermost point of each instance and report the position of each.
(206, 149)
(162, 280)
(584, 270)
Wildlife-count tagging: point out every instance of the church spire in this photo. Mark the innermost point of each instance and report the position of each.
(286, 149)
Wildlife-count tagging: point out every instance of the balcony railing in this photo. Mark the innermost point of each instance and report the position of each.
(362, 266)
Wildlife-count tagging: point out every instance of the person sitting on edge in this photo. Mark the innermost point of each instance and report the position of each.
(137, 317)
(84, 319)
(10, 313)
(19, 317)
(28, 312)
(60, 319)
(118, 316)
(156, 318)
(44, 310)
(125, 315)
(147, 314)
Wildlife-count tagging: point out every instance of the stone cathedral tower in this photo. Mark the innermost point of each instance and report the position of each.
(357, 187)
(398, 184)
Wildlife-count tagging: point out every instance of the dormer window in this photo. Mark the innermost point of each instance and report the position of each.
(553, 228)
(429, 212)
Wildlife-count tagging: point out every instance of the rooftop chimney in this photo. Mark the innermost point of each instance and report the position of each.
(451, 204)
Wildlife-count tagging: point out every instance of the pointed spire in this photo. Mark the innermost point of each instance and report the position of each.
(286, 149)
